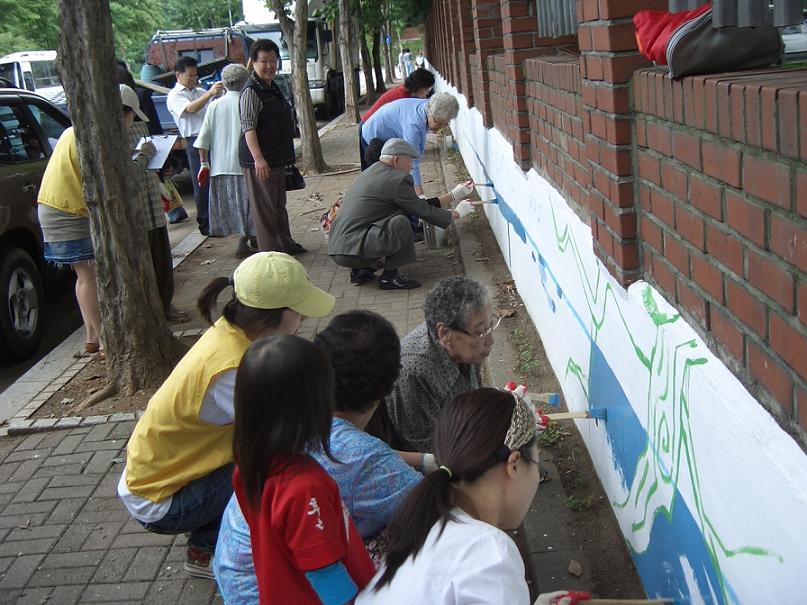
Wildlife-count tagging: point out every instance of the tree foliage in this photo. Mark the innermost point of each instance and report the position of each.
(407, 13)
(28, 25)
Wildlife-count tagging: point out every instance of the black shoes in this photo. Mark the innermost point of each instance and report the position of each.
(361, 276)
(297, 249)
(397, 282)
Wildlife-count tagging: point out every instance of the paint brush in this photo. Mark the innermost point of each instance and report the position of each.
(481, 203)
(592, 414)
(627, 602)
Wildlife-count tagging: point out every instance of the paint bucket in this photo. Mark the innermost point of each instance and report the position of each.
(434, 236)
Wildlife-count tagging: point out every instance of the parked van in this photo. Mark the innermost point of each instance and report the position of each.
(34, 70)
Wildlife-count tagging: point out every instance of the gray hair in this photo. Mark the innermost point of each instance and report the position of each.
(443, 107)
(453, 300)
(234, 76)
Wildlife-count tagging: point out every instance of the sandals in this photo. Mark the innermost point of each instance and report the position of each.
(92, 347)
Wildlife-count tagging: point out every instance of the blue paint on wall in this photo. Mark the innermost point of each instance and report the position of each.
(670, 539)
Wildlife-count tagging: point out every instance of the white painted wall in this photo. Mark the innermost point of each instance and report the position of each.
(709, 492)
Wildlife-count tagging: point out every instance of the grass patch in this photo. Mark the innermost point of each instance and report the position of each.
(579, 505)
(526, 363)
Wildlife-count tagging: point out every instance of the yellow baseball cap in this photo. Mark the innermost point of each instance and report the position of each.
(273, 280)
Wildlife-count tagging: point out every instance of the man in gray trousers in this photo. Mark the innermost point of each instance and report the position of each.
(372, 222)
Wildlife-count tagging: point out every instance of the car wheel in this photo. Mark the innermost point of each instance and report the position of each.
(22, 304)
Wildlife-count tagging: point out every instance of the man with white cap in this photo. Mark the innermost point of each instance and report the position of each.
(179, 462)
(152, 215)
(372, 223)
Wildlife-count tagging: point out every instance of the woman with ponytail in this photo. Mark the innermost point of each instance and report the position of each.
(179, 464)
(446, 541)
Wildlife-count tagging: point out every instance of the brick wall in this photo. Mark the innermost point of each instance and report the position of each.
(723, 218)
(697, 185)
(555, 111)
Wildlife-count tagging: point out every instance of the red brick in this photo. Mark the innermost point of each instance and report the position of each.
(616, 161)
(658, 138)
(690, 225)
(801, 401)
(626, 254)
(803, 121)
(789, 241)
(662, 207)
(613, 99)
(790, 343)
(746, 218)
(738, 113)
(674, 180)
(803, 302)
(651, 235)
(788, 123)
(801, 186)
(768, 117)
(612, 9)
(725, 247)
(706, 197)
(707, 276)
(664, 275)
(772, 279)
(675, 252)
(752, 116)
(767, 180)
(641, 136)
(615, 36)
(723, 109)
(623, 224)
(618, 131)
(649, 168)
(686, 148)
(619, 69)
(693, 302)
(590, 10)
(727, 333)
(746, 307)
(771, 375)
(721, 162)
(593, 67)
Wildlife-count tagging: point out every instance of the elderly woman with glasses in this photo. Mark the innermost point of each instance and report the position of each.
(440, 359)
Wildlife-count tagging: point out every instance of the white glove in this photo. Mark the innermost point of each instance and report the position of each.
(464, 208)
(559, 597)
(462, 190)
(148, 149)
(429, 464)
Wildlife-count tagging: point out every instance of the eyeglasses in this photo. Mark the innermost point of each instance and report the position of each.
(485, 333)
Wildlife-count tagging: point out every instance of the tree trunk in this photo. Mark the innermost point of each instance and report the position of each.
(313, 162)
(379, 76)
(390, 74)
(351, 93)
(366, 64)
(140, 347)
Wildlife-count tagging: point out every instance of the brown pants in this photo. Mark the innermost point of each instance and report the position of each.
(267, 203)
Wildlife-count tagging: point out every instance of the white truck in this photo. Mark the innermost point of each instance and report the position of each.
(35, 71)
(323, 64)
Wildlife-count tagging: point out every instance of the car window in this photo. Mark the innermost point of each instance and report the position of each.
(51, 125)
(9, 72)
(18, 139)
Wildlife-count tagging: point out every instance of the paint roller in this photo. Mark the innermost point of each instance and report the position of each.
(486, 193)
(553, 399)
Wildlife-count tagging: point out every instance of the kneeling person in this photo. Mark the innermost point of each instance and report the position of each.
(372, 223)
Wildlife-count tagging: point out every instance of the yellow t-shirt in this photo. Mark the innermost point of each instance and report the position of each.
(61, 184)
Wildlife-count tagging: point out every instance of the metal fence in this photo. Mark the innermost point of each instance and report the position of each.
(747, 13)
(557, 18)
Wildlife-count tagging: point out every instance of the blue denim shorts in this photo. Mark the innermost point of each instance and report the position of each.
(69, 252)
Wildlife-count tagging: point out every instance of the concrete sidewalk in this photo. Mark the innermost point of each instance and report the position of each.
(64, 536)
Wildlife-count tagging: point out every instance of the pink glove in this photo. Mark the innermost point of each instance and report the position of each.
(204, 174)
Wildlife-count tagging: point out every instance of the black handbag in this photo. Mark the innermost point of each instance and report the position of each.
(697, 47)
(294, 180)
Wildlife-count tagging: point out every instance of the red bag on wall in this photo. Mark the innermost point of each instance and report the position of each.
(654, 29)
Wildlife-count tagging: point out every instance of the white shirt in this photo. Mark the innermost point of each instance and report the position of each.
(472, 562)
(178, 99)
(217, 408)
(220, 134)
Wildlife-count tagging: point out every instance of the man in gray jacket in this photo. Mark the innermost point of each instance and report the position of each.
(372, 223)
